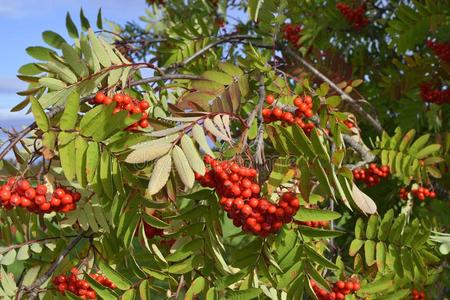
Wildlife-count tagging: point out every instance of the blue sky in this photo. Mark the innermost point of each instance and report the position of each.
(21, 25)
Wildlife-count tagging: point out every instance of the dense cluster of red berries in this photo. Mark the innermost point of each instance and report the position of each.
(125, 102)
(434, 93)
(304, 111)
(240, 197)
(354, 16)
(339, 291)
(417, 295)
(372, 175)
(442, 50)
(20, 193)
(80, 287)
(291, 32)
(420, 193)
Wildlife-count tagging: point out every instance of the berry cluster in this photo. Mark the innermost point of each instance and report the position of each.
(314, 224)
(442, 50)
(354, 16)
(20, 193)
(339, 291)
(304, 110)
(417, 295)
(291, 32)
(420, 193)
(372, 175)
(125, 102)
(240, 198)
(434, 93)
(80, 287)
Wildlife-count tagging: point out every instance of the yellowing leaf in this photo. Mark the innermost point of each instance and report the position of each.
(182, 165)
(160, 174)
(364, 202)
(194, 158)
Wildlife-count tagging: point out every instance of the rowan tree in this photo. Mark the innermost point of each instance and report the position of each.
(225, 149)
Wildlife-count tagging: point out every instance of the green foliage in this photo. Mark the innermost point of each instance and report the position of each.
(146, 223)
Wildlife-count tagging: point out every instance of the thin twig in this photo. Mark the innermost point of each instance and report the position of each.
(259, 152)
(33, 288)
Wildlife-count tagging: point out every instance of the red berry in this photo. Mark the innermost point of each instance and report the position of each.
(41, 189)
(144, 105)
(340, 285)
(55, 202)
(30, 193)
(23, 185)
(277, 112)
(270, 99)
(67, 199)
(59, 193)
(99, 97)
(107, 101)
(143, 123)
(118, 98)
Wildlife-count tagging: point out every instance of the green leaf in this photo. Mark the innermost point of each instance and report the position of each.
(64, 72)
(355, 246)
(155, 222)
(318, 233)
(160, 174)
(219, 77)
(98, 50)
(105, 175)
(39, 115)
(53, 39)
(67, 154)
(182, 165)
(73, 59)
(418, 144)
(81, 147)
(71, 27)
(69, 117)
(23, 253)
(377, 286)
(385, 225)
(196, 288)
(84, 21)
(128, 295)
(369, 252)
(99, 19)
(381, 255)
(372, 226)
(430, 149)
(247, 294)
(407, 139)
(318, 258)
(122, 282)
(310, 214)
(144, 290)
(40, 53)
(9, 258)
(102, 291)
(52, 83)
(92, 160)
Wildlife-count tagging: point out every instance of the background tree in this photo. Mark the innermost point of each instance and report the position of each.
(234, 150)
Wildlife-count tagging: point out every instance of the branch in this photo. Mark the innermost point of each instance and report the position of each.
(200, 52)
(259, 153)
(33, 288)
(57, 109)
(371, 120)
(9, 248)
